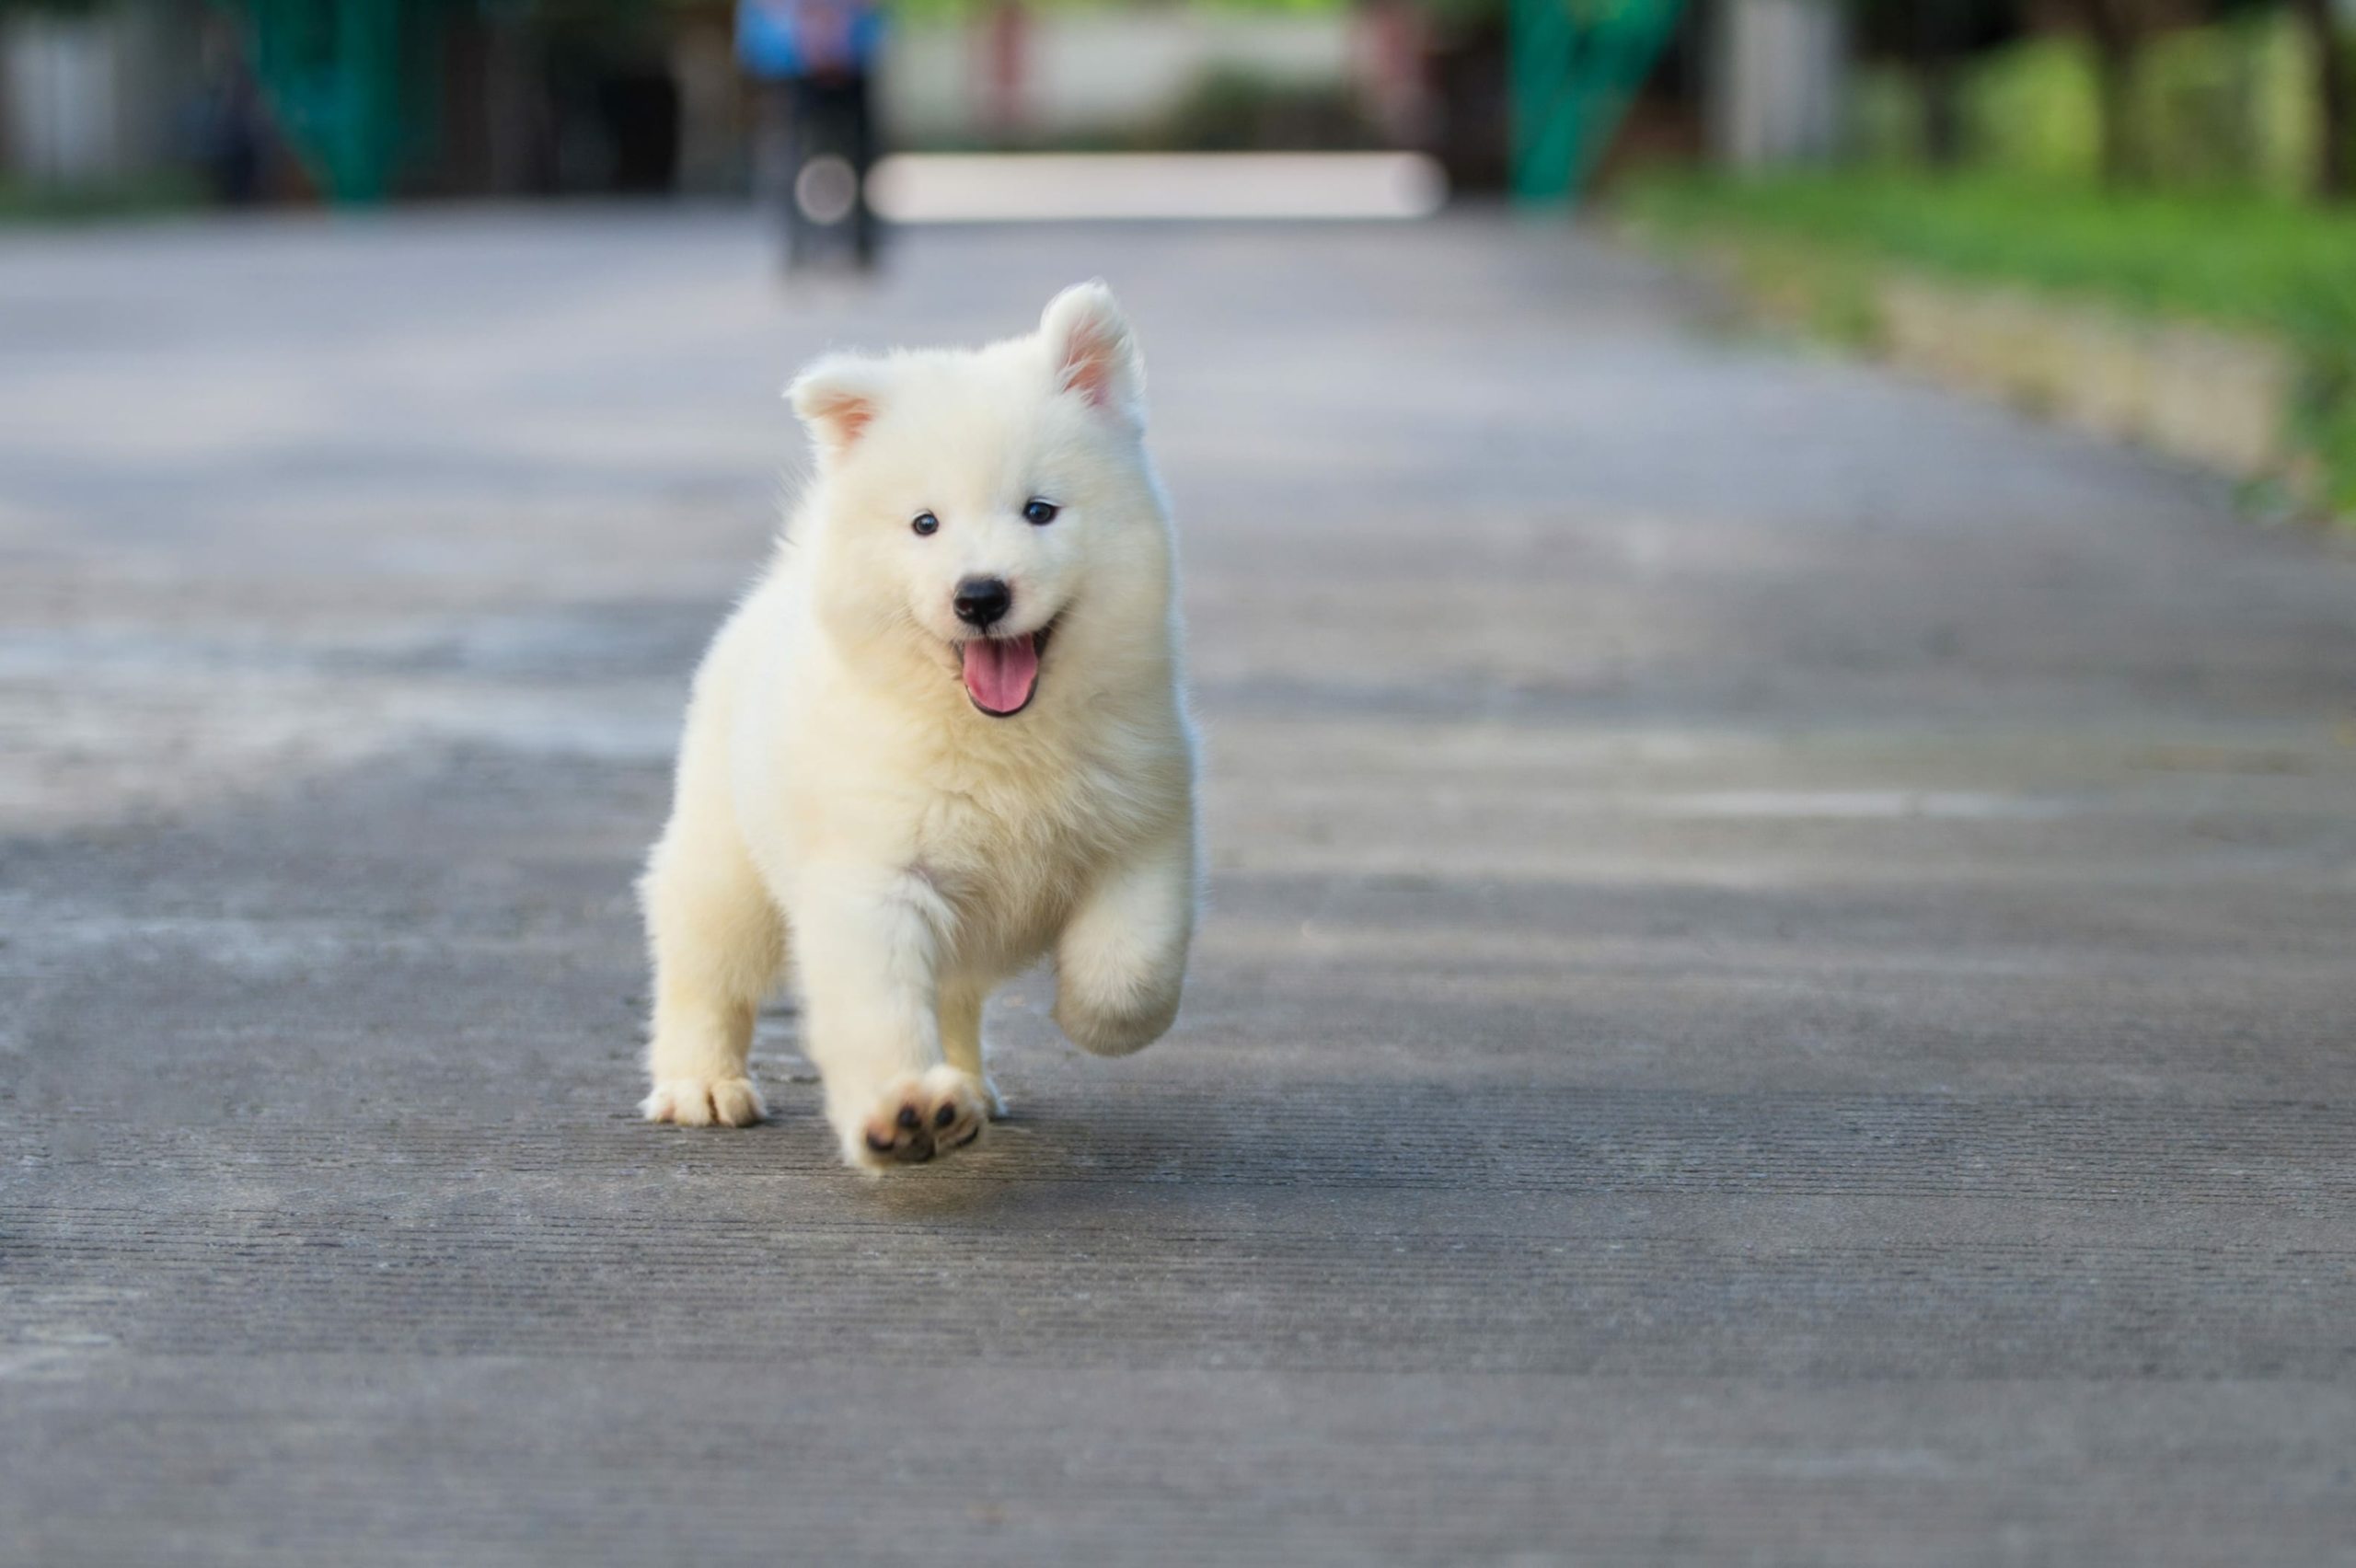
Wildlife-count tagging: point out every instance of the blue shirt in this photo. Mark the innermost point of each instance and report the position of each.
(804, 37)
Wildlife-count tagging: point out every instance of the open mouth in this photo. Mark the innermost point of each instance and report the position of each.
(1002, 673)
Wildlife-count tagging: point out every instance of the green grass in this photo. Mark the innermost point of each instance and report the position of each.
(2276, 267)
(2240, 261)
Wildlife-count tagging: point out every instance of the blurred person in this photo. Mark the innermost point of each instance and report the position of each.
(229, 124)
(813, 60)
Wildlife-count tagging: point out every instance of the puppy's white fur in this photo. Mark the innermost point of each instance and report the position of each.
(843, 810)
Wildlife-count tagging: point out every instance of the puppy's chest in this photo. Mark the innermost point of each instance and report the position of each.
(1015, 853)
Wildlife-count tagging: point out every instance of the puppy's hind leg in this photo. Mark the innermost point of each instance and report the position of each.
(718, 943)
(960, 1038)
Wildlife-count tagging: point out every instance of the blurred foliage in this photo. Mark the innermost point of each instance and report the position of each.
(2035, 110)
(2225, 107)
(2235, 259)
(2210, 108)
(1226, 109)
(1235, 109)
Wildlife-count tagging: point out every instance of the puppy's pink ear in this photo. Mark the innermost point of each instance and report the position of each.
(837, 398)
(1092, 349)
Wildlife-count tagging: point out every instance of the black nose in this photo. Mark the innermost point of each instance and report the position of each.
(982, 602)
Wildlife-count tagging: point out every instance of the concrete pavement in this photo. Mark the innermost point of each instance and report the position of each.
(1779, 991)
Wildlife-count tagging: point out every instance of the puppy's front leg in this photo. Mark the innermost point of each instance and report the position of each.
(868, 973)
(1121, 960)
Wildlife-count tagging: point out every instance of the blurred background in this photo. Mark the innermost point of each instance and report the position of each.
(2176, 160)
(148, 102)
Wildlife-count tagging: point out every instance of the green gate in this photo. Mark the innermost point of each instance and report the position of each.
(346, 81)
(1575, 67)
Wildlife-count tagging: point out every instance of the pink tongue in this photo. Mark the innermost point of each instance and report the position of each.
(1000, 672)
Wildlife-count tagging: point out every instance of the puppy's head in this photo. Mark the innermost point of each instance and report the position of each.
(989, 514)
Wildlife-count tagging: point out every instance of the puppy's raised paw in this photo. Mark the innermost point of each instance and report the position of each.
(705, 1102)
(918, 1116)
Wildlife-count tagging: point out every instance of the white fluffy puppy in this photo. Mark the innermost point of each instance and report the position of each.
(942, 737)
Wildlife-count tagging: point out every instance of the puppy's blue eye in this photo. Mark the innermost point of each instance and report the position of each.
(1039, 513)
(926, 523)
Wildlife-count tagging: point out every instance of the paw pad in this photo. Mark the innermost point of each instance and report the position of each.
(918, 1117)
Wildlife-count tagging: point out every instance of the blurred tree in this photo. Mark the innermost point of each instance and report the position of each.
(1936, 39)
(1938, 55)
(2117, 28)
(2335, 179)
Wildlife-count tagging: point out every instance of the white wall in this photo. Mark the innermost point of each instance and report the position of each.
(1776, 80)
(88, 99)
(58, 88)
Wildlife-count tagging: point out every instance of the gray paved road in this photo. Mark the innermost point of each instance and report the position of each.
(1780, 991)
